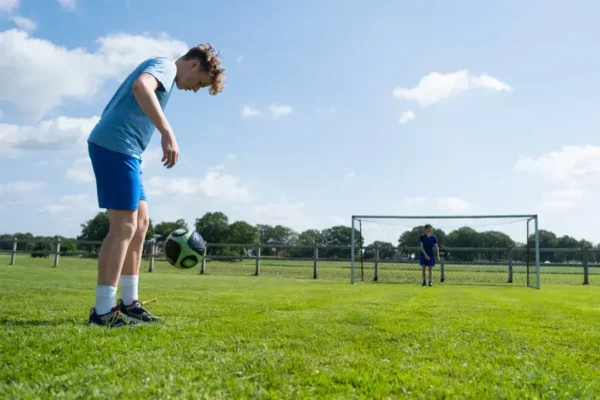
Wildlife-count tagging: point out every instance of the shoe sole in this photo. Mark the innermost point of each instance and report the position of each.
(96, 325)
(140, 321)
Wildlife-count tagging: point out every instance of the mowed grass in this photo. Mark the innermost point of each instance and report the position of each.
(281, 337)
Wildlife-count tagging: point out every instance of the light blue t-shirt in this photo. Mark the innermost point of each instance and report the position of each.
(123, 126)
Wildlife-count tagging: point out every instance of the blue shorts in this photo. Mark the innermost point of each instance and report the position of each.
(426, 263)
(118, 179)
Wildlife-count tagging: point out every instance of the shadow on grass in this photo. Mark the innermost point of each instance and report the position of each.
(41, 322)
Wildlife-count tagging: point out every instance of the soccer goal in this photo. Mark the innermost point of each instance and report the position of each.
(473, 249)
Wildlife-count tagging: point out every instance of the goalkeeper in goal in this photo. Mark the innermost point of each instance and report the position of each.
(428, 244)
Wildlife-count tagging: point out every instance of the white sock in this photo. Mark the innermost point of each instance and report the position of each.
(105, 299)
(129, 288)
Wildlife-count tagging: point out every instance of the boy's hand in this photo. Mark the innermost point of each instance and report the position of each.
(170, 150)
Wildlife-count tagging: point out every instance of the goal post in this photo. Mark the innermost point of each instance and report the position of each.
(474, 249)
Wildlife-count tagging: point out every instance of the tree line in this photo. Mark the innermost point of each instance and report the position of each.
(215, 227)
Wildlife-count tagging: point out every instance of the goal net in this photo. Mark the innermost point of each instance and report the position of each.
(479, 250)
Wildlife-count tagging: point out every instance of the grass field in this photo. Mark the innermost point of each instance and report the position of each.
(228, 336)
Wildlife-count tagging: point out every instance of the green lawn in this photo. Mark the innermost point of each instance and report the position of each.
(228, 336)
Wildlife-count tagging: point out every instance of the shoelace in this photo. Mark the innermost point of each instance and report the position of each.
(114, 317)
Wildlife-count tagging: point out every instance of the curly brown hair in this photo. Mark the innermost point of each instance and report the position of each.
(211, 63)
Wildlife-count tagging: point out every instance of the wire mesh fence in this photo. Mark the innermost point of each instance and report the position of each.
(464, 266)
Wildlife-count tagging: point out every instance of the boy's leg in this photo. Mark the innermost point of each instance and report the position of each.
(129, 304)
(112, 255)
(131, 266)
(118, 188)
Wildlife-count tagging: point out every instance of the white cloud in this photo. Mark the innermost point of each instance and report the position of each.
(278, 111)
(287, 214)
(19, 188)
(406, 116)
(437, 87)
(214, 184)
(28, 64)
(248, 111)
(351, 174)
(80, 171)
(71, 203)
(24, 23)
(7, 6)
(562, 199)
(67, 4)
(567, 176)
(60, 134)
(571, 162)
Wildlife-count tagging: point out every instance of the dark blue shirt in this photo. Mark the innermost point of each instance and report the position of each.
(428, 243)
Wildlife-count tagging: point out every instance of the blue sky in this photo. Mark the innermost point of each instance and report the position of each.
(494, 112)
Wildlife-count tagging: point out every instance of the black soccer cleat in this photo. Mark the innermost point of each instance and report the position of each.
(424, 283)
(136, 313)
(430, 283)
(112, 319)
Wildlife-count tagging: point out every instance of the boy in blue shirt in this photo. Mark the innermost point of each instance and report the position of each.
(428, 243)
(115, 147)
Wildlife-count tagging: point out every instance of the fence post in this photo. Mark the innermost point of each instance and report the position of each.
(442, 270)
(257, 272)
(376, 277)
(510, 266)
(586, 280)
(57, 253)
(203, 266)
(13, 256)
(152, 250)
(315, 261)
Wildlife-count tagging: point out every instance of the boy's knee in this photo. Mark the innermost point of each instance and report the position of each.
(124, 224)
(142, 225)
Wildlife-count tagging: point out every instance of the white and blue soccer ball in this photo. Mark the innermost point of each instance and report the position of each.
(184, 248)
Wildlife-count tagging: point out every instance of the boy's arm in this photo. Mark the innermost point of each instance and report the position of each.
(144, 91)
(437, 251)
(423, 249)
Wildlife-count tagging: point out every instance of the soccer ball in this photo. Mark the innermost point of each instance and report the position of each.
(184, 248)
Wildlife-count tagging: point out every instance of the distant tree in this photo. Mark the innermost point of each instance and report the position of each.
(586, 244)
(386, 250)
(96, 228)
(464, 237)
(496, 240)
(6, 241)
(568, 242)
(340, 235)
(24, 241)
(275, 235)
(150, 232)
(307, 238)
(241, 232)
(214, 227)
(411, 238)
(164, 229)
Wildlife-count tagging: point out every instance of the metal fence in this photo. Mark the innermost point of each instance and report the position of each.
(457, 265)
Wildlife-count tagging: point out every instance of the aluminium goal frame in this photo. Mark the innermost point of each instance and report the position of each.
(528, 217)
